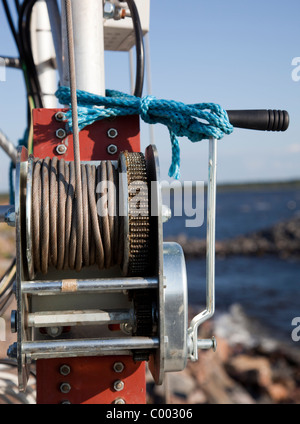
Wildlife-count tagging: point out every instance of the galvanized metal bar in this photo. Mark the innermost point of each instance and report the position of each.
(106, 285)
(86, 347)
(210, 251)
(74, 318)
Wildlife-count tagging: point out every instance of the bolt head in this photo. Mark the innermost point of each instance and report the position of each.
(54, 331)
(60, 116)
(108, 10)
(118, 385)
(112, 133)
(65, 387)
(112, 149)
(61, 149)
(64, 369)
(60, 133)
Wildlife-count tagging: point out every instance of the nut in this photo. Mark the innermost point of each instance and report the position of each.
(60, 133)
(61, 149)
(118, 366)
(65, 387)
(112, 133)
(64, 369)
(112, 149)
(119, 401)
(118, 385)
(60, 116)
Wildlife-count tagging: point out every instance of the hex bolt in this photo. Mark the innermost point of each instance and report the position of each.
(60, 116)
(112, 133)
(108, 10)
(64, 369)
(61, 149)
(112, 149)
(118, 366)
(54, 331)
(118, 385)
(65, 387)
(14, 321)
(60, 133)
(119, 401)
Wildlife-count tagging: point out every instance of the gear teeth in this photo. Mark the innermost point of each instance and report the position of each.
(139, 222)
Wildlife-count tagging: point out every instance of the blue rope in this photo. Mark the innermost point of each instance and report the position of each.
(182, 120)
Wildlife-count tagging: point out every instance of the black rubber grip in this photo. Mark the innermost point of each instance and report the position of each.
(260, 119)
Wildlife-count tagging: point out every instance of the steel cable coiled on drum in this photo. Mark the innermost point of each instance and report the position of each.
(54, 217)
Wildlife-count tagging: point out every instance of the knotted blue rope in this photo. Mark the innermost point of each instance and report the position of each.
(182, 120)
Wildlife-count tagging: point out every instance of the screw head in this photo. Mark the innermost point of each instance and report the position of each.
(112, 133)
(61, 149)
(60, 133)
(118, 385)
(65, 387)
(118, 366)
(64, 369)
(112, 149)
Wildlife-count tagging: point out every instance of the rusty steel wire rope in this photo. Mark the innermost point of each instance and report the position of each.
(55, 221)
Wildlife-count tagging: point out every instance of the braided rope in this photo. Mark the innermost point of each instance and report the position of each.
(182, 120)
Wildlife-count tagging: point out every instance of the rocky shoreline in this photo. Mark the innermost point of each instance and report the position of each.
(247, 368)
(282, 240)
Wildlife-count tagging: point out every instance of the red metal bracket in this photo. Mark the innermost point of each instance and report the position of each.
(91, 379)
(94, 139)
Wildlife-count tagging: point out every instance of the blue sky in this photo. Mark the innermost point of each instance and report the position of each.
(235, 53)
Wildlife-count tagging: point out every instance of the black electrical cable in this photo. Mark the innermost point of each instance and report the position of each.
(11, 24)
(17, 4)
(140, 50)
(25, 44)
(21, 54)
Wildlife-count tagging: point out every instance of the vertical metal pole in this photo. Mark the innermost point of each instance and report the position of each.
(88, 46)
(55, 22)
(44, 53)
